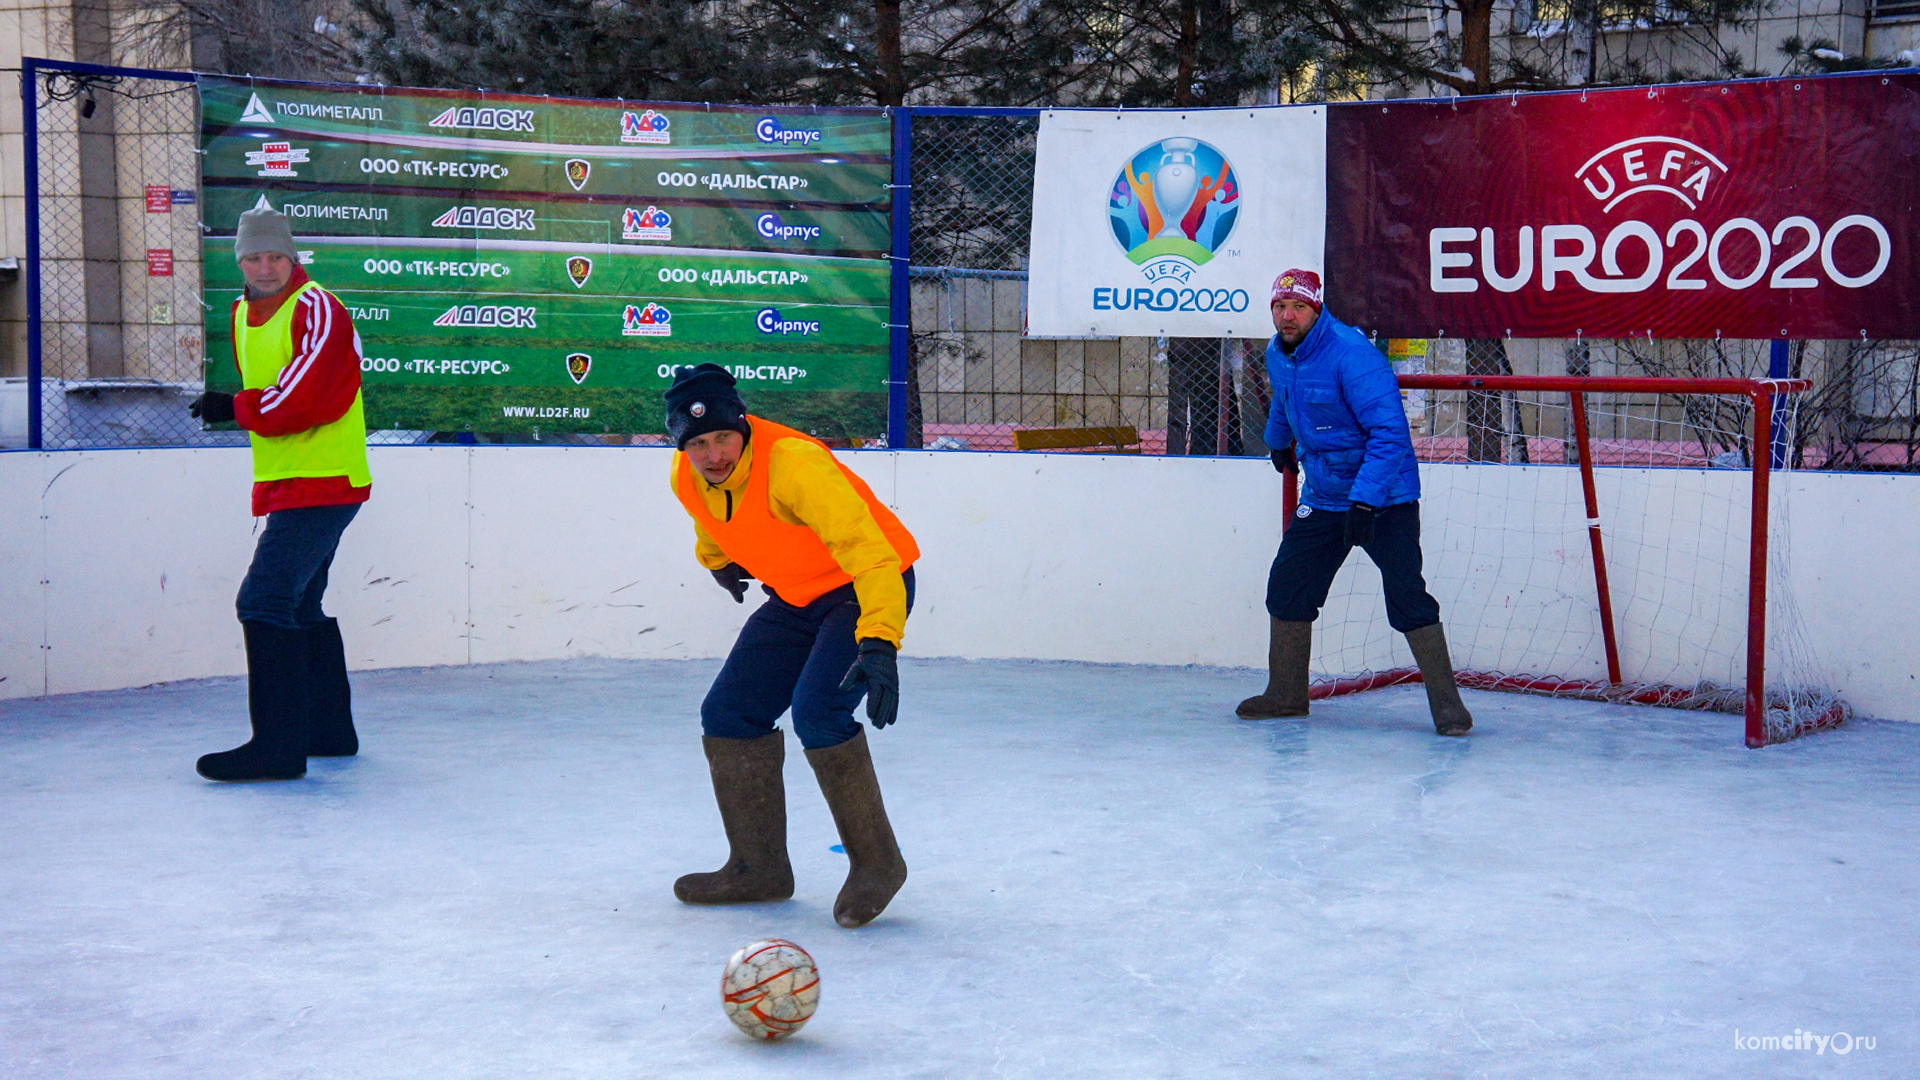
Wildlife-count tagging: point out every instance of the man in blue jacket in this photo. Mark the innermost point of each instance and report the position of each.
(1334, 393)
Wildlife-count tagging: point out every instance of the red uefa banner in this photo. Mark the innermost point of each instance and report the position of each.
(1764, 209)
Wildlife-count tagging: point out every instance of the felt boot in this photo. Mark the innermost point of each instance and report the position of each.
(875, 869)
(277, 698)
(331, 733)
(752, 793)
(1286, 692)
(1450, 716)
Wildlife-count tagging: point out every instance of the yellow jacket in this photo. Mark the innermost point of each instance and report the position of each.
(805, 487)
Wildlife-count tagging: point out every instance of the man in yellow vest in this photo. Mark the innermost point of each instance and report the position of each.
(771, 503)
(299, 361)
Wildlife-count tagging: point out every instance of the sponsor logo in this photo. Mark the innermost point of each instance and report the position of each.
(770, 321)
(579, 269)
(1676, 244)
(652, 223)
(1683, 171)
(771, 227)
(256, 111)
(334, 213)
(370, 314)
(648, 127)
(484, 119)
(1171, 207)
(486, 217)
(463, 170)
(494, 318)
(277, 158)
(765, 372)
(768, 130)
(723, 276)
(649, 321)
(578, 169)
(578, 365)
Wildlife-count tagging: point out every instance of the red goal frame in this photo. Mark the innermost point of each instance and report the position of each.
(1765, 395)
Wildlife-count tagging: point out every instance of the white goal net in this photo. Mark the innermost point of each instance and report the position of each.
(1622, 565)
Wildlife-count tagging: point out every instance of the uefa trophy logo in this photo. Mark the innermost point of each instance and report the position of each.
(1172, 206)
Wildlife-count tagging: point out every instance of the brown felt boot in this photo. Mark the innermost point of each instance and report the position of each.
(875, 869)
(1286, 692)
(748, 785)
(1450, 715)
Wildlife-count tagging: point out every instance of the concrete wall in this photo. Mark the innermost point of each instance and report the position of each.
(118, 568)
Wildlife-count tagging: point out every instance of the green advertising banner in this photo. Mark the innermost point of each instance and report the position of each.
(527, 264)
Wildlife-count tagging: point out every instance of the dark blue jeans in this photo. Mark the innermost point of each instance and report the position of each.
(792, 656)
(1315, 547)
(289, 571)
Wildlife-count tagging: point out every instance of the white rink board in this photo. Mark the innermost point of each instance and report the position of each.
(481, 554)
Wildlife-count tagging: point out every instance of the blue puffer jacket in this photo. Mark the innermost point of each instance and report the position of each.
(1336, 394)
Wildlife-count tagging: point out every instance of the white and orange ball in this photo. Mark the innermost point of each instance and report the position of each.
(770, 989)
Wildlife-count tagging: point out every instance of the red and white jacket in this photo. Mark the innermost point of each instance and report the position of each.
(315, 388)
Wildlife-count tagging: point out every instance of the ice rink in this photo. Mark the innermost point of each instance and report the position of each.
(1111, 877)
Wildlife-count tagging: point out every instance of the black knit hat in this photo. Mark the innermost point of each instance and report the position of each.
(702, 399)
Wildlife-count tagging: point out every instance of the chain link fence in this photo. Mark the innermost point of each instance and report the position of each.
(120, 302)
(977, 382)
(122, 310)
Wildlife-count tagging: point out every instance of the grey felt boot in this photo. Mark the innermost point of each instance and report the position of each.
(875, 869)
(1286, 692)
(277, 701)
(752, 793)
(1450, 716)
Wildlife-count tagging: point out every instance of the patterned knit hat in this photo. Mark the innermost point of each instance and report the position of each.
(1297, 285)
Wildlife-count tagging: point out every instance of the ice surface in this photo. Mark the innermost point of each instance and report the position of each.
(1111, 877)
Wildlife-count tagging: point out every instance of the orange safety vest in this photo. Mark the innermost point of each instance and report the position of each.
(791, 559)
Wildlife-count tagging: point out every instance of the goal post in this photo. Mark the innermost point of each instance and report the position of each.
(1676, 580)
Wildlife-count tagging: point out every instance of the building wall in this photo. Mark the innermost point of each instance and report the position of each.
(107, 317)
(120, 570)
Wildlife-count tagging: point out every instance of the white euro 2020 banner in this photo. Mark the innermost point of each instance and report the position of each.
(1171, 222)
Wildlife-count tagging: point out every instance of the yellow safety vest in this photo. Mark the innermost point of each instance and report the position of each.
(336, 449)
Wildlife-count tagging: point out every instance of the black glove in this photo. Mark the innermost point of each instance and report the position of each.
(1360, 524)
(1284, 461)
(213, 406)
(876, 668)
(733, 579)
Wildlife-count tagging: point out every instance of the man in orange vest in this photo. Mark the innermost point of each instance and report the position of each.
(299, 361)
(771, 503)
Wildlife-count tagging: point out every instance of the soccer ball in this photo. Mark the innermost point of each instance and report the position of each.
(770, 989)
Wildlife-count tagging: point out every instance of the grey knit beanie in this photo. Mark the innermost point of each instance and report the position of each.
(263, 229)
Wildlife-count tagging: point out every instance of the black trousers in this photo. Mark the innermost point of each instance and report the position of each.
(288, 577)
(789, 656)
(1315, 547)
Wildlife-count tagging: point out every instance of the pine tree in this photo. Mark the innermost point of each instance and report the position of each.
(662, 50)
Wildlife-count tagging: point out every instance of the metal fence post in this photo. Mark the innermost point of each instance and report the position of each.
(899, 328)
(30, 140)
(1779, 366)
